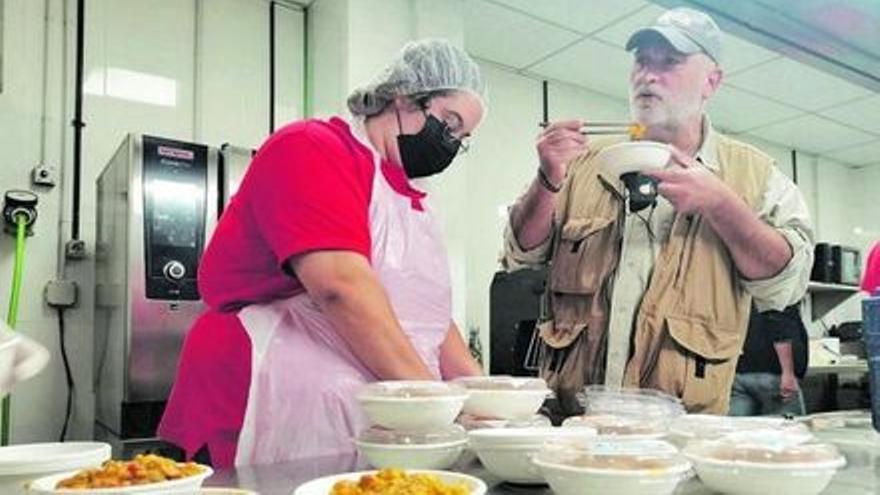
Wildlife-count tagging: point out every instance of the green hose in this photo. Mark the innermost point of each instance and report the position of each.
(12, 314)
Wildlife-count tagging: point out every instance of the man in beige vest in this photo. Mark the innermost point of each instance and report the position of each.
(656, 294)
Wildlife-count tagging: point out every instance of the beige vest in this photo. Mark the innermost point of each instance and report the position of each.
(692, 321)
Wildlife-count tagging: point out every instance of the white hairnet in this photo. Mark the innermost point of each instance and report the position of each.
(420, 67)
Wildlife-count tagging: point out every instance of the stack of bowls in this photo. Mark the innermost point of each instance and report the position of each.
(507, 452)
(412, 424)
(760, 462)
(619, 467)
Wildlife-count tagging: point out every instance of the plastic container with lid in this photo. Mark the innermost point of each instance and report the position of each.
(20, 464)
(620, 467)
(761, 462)
(503, 397)
(689, 427)
(478, 423)
(623, 427)
(412, 405)
(852, 433)
(507, 452)
(633, 402)
(412, 449)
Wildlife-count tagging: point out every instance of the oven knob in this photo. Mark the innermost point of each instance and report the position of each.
(174, 270)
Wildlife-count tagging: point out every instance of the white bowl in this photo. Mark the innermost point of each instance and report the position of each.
(432, 456)
(646, 467)
(741, 470)
(621, 427)
(504, 397)
(412, 405)
(633, 156)
(323, 486)
(689, 427)
(507, 452)
(189, 484)
(20, 464)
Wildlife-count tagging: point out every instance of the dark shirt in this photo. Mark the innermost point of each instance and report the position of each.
(765, 329)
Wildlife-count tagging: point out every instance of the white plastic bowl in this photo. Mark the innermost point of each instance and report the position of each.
(503, 397)
(652, 468)
(20, 464)
(412, 405)
(189, 484)
(689, 427)
(634, 156)
(433, 456)
(323, 486)
(507, 452)
(760, 471)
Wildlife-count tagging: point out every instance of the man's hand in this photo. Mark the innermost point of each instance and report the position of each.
(691, 188)
(557, 145)
(788, 387)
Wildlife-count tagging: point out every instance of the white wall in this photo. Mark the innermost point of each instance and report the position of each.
(190, 70)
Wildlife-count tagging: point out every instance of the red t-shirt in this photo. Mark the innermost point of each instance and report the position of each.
(307, 189)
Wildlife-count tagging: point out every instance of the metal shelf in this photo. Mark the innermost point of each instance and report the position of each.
(826, 297)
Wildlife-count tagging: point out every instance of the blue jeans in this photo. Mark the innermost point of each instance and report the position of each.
(757, 394)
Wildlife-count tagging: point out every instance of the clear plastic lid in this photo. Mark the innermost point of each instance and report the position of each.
(477, 423)
(612, 425)
(411, 389)
(770, 451)
(501, 382)
(636, 402)
(708, 427)
(651, 457)
(855, 419)
(384, 436)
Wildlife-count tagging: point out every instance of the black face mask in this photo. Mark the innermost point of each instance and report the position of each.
(429, 151)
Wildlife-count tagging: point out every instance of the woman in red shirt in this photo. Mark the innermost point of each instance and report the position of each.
(328, 271)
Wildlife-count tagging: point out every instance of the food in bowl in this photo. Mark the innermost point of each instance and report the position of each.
(622, 467)
(143, 469)
(391, 481)
(753, 466)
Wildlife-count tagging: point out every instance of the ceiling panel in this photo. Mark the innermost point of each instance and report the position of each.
(796, 84)
(863, 113)
(577, 14)
(510, 38)
(738, 54)
(812, 133)
(867, 154)
(619, 32)
(737, 110)
(579, 64)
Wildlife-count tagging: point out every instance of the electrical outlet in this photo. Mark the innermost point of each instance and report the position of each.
(44, 175)
(75, 249)
(61, 293)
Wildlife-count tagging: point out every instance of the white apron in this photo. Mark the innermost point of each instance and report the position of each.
(304, 378)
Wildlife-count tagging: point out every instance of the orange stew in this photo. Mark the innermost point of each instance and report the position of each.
(144, 469)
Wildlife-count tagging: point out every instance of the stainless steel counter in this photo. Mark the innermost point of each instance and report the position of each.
(858, 478)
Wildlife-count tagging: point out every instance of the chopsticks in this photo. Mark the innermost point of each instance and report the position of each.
(635, 130)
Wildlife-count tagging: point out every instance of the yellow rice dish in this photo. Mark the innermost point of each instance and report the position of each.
(392, 481)
(144, 469)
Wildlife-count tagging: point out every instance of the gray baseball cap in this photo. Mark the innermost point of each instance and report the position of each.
(687, 30)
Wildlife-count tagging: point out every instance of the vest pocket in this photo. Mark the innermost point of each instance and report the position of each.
(707, 363)
(580, 261)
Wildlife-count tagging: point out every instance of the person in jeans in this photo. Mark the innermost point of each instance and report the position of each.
(774, 358)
